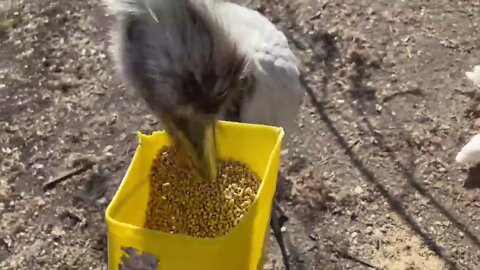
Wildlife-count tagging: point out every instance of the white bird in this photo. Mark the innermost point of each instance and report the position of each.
(474, 75)
(470, 153)
(197, 61)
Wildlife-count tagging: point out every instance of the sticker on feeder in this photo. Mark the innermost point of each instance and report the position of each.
(132, 259)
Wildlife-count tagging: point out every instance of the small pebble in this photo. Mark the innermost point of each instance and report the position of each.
(358, 190)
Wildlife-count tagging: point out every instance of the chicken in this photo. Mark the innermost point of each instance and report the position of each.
(198, 61)
(195, 62)
(470, 153)
(474, 75)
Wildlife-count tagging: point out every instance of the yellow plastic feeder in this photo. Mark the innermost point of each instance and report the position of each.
(131, 247)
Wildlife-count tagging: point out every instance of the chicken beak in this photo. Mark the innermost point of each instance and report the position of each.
(196, 137)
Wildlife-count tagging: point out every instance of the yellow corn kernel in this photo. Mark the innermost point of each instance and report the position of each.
(183, 203)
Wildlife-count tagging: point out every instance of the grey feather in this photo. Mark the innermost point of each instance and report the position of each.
(176, 54)
(208, 56)
(277, 94)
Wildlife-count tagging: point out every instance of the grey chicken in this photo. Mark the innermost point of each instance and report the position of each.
(197, 61)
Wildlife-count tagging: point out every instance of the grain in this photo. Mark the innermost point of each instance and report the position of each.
(182, 203)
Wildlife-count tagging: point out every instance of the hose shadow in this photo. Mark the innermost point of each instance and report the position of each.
(358, 92)
(408, 173)
(395, 204)
(473, 180)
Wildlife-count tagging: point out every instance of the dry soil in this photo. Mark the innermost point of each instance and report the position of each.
(369, 180)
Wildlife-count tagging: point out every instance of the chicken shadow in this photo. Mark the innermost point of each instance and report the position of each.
(472, 180)
(364, 97)
(407, 172)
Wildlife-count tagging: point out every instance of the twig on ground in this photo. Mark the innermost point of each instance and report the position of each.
(77, 218)
(351, 146)
(349, 256)
(415, 92)
(55, 181)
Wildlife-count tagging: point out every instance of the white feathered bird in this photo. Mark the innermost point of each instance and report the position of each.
(470, 153)
(197, 61)
(474, 75)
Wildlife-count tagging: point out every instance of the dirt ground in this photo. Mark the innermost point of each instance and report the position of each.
(371, 180)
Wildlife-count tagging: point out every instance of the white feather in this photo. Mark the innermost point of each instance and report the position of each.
(278, 93)
(474, 75)
(470, 153)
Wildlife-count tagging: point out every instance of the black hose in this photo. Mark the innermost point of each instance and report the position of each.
(276, 222)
